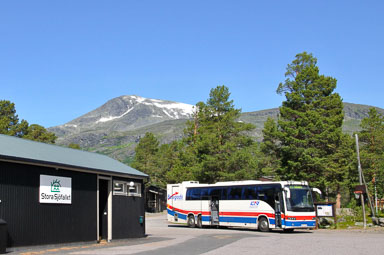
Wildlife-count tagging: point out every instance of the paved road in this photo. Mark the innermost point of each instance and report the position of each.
(165, 239)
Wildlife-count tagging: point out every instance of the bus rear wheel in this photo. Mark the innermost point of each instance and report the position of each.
(199, 223)
(191, 221)
(263, 224)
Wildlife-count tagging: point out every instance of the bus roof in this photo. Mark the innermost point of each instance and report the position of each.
(233, 183)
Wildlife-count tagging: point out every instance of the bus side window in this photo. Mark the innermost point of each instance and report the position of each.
(204, 194)
(250, 193)
(193, 194)
(188, 196)
(266, 193)
(235, 193)
(215, 192)
(224, 193)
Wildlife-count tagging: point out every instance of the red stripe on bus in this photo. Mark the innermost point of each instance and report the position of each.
(249, 214)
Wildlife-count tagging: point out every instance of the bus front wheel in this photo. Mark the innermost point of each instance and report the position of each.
(191, 221)
(263, 224)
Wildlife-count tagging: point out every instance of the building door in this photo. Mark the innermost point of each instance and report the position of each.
(103, 209)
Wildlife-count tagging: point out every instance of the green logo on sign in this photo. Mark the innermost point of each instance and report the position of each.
(55, 186)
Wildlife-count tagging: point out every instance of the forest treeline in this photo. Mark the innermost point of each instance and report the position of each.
(305, 143)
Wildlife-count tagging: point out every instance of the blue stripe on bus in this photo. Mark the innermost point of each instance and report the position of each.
(206, 218)
(237, 219)
(179, 215)
(182, 216)
(300, 223)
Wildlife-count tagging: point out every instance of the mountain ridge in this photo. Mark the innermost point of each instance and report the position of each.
(125, 113)
(116, 127)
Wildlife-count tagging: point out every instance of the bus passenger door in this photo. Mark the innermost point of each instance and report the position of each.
(214, 208)
(278, 206)
(172, 201)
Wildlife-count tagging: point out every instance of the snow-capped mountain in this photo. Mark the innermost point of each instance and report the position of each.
(125, 113)
(116, 127)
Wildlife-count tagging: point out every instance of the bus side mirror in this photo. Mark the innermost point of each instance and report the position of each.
(317, 190)
(287, 192)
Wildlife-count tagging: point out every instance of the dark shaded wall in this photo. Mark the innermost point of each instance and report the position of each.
(126, 211)
(32, 223)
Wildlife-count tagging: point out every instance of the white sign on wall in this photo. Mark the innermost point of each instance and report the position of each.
(324, 211)
(55, 189)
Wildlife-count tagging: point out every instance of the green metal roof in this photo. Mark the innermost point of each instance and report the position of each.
(18, 149)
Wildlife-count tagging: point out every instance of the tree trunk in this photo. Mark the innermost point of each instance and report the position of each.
(338, 200)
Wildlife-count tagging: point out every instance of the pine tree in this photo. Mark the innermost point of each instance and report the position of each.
(178, 162)
(9, 120)
(341, 174)
(372, 150)
(10, 125)
(216, 146)
(270, 148)
(38, 133)
(145, 159)
(309, 127)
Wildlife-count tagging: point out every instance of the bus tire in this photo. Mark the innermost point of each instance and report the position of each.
(263, 225)
(199, 223)
(191, 221)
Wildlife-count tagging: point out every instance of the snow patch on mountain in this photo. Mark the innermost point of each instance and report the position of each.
(105, 119)
(173, 107)
(70, 125)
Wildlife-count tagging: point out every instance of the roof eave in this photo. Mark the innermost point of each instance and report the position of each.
(69, 167)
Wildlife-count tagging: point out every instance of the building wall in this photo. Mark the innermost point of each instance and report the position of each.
(126, 211)
(32, 223)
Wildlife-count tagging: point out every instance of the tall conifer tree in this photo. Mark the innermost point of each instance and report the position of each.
(310, 123)
(372, 150)
(216, 144)
(145, 158)
(10, 125)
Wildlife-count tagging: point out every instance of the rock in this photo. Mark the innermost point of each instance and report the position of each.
(381, 222)
(345, 212)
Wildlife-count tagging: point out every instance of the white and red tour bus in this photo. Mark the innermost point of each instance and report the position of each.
(263, 205)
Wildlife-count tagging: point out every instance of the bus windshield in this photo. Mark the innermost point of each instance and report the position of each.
(300, 200)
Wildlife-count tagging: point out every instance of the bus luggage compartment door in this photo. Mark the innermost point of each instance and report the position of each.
(214, 207)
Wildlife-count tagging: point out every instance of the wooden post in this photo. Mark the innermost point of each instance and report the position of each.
(360, 179)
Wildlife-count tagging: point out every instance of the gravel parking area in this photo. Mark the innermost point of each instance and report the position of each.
(164, 239)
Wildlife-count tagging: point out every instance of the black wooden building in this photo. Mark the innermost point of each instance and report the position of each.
(155, 199)
(51, 194)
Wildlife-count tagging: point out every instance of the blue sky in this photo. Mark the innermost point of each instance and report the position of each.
(62, 59)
